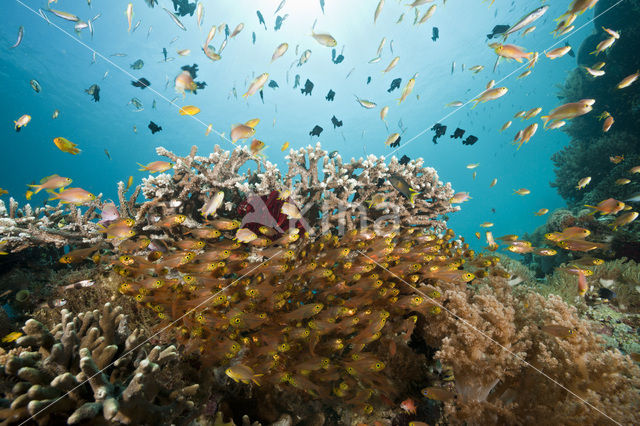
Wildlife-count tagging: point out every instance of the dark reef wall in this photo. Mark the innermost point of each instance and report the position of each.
(590, 148)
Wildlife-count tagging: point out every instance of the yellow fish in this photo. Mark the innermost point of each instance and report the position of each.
(11, 337)
(189, 110)
(252, 123)
(241, 131)
(156, 166)
(66, 145)
(284, 146)
(73, 196)
(522, 191)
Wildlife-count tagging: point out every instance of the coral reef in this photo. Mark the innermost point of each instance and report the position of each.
(91, 367)
(326, 294)
(491, 337)
(317, 183)
(25, 227)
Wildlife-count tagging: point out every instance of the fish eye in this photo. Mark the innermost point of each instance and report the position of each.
(417, 299)
(351, 371)
(161, 315)
(378, 365)
(139, 297)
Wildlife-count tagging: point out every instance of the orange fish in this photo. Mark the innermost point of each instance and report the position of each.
(608, 206)
(582, 284)
(66, 145)
(257, 147)
(616, 159)
(73, 196)
(51, 182)
(409, 406)
(568, 111)
(558, 331)
(156, 166)
(438, 394)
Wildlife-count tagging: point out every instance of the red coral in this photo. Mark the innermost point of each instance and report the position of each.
(266, 210)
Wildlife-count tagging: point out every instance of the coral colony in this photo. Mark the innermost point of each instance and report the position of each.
(337, 283)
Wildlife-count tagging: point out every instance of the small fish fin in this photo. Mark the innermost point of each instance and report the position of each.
(144, 168)
(593, 207)
(255, 380)
(413, 194)
(546, 120)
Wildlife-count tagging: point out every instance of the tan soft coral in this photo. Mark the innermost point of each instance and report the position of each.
(495, 385)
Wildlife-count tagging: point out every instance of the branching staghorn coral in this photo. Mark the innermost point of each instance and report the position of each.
(57, 374)
(324, 188)
(25, 227)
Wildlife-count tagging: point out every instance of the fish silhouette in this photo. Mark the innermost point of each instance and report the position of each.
(94, 91)
(470, 140)
(183, 7)
(498, 29)
(308, 88)
(142, 83)
(458, 133)
(154, 128)
(273, 84)
(440, 131)
(336, 122)
(316, 131)
(261, 19)
(394, 85)
(435, 33)
(330, 95)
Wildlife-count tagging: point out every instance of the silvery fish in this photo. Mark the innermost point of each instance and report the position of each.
(526, 20)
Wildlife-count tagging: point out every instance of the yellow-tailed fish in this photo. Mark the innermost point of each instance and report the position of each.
(407, 90)
(256, 84)
(392, 64)
(189, 110)
(73, 196)
(280, 50)
(66, 145)
(156, 166)
(51, 183)
(129, 13)
(324, 39)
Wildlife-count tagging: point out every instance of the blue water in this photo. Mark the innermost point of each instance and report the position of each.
(61, 61)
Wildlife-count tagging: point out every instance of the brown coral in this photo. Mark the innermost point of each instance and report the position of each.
(90, 367)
